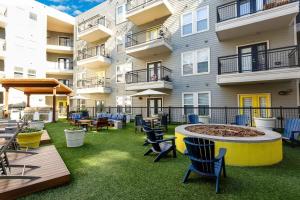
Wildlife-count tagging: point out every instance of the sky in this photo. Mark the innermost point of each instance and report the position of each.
(72, 7)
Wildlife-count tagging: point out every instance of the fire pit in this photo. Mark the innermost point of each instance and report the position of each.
(246, 146)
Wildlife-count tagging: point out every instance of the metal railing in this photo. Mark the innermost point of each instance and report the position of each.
(60, 41)
(2, 44)
(216, 115)
(91, 52)
(92, 22)
(68, 83)
(148, 75)
(138, 4)
(60, 65)
(159, 32)
(93, 82)
(269, 59)
(236, 9)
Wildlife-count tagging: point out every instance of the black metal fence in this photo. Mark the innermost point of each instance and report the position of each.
(268, 59)
(237, 9)
(136, 4)
(216, 115)
(158, 32)
(98, 50)
(149, 75)
(92, 22)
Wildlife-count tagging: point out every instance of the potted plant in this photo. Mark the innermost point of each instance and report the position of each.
(74, 136)
(36, 124)
(265, 122)
(29, 138)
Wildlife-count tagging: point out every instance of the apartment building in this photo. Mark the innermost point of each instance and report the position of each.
(36, 41)
(201, 53)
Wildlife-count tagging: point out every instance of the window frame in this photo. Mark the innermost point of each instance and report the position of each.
(120, 20)
(194, 21)
(195, 62)
(196, 102)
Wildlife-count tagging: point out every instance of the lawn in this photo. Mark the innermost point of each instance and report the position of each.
(111, 165)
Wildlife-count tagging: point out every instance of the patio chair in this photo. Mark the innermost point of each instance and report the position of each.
(158, 133)
(241, 120)
(100, 123)
(160, 146)
(203, 161)
(5, 166)
(162, 123)
(193, 119)
(138, 123)
(291, 131)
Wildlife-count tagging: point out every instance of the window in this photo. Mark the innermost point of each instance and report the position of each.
(81, 79)
(1, 97)
(31, 73)
(120, 14)
(33, 16)
(196, 102)
(196, 62)
(119, 42)
(188, 103)
(187, 24)
(124, 102)
(18, 72)
(195, 22)
(121, 72)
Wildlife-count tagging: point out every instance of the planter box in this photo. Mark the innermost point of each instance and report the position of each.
(265, 123)
(74, 138)
(39, 125)
(30, 140)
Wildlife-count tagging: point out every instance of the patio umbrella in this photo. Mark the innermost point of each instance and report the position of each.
(148, 92)
(78, 97)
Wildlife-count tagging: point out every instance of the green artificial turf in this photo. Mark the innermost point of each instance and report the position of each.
(111, 165)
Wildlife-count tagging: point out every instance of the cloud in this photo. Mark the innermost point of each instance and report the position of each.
(76, 12)
(61, 7)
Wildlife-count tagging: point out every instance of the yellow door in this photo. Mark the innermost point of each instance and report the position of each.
(259, 102)
(61, 107)
(152, 34)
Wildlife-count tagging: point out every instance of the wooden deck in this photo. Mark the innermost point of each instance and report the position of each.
(53, 173)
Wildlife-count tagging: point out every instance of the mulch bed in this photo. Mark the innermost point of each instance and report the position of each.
(225, 131)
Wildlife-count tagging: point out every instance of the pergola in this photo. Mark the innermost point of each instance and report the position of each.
(36, 86)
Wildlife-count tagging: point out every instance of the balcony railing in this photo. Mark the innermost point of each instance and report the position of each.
(159, 32)
(138, 4)
(60, 65)
(270, 59)
(66, 42)
(3, 11)
(149, 75)
(2, 44)
(236, 9)
(92, 22)
(93, 82)
(92, 52)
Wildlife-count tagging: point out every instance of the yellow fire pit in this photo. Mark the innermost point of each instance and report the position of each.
(259, 150)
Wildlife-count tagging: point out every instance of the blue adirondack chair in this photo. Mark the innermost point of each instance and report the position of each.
(193, 119)
(203, 161)
(160, 146)
(138, 122)
(291, 131)
(241, 120)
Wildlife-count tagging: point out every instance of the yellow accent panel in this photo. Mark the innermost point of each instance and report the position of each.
(244, 154)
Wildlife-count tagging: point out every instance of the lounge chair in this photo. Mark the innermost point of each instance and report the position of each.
(138, 123)
(203, 161)
(162, 123)
(158, 133)
(241, 120)
(160, 147)
(291, 131)
(5, 166)
(100, 123)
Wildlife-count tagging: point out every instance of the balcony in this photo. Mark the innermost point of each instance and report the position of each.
(2, 49)
(262, 66)
(144, 11)
(95, 29)
(93, 85)
(240, 18)
(94, 57)
(61, 45)
(152, 78)
(62, 68)
(3, 18)
(150, 42)
(67, 83)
